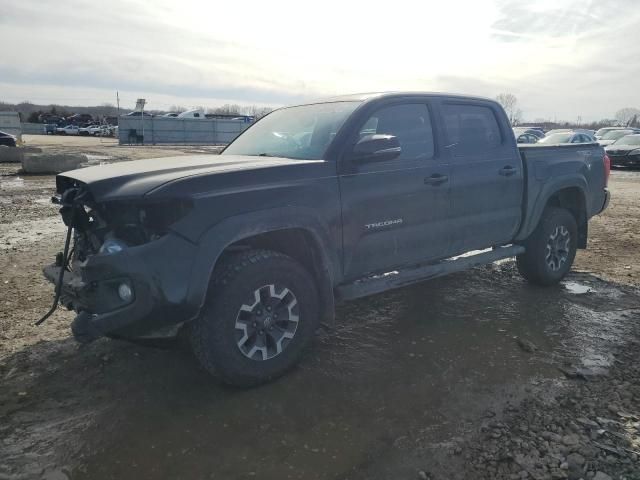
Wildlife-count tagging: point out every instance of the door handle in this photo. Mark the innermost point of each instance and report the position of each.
(436, 179)
(507, 171)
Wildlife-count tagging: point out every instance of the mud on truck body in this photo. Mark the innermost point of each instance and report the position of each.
(316, 204)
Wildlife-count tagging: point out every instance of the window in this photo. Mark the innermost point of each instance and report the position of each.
(471, 128)
(304, 132)
(410, 123)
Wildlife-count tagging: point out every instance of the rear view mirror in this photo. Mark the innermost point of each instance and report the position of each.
(377, 147)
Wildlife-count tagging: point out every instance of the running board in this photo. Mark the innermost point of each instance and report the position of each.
(420, 273)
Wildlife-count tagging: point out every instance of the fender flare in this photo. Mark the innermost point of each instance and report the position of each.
(534, 211)
(218, 237)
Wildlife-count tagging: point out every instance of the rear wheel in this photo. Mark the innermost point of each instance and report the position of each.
(262, 311)
(551, 248)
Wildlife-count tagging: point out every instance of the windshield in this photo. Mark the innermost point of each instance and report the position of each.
(557, 138)
(302, 132)
(628, 140)
(615, 134)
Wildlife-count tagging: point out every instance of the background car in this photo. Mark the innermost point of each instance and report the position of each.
(600, 133)
(625, 152)
(567, 136)
(68, 130)
(527, 138)
(7, 139)
(613, 135)
(526, 130)
(96, 130)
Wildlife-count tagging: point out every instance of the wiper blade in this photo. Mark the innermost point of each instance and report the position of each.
(265, 155)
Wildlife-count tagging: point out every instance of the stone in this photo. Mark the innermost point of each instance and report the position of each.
(575, 460)
(571, 440)
(601, 476)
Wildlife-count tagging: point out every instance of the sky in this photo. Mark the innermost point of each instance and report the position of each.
(563, 59)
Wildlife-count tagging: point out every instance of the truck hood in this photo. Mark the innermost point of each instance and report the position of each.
(139, 177)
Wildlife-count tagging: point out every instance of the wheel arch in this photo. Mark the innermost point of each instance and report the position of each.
(562, 193)
(288, 231)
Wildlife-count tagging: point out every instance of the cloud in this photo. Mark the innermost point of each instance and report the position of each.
(560, 57)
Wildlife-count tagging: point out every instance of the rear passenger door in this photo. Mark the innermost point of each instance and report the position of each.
(395, 211)
(486, 176)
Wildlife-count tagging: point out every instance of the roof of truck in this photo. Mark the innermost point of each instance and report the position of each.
(367, 96)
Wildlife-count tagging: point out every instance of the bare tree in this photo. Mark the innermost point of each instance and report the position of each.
(510, 104)
(258, 112)
(626, 115)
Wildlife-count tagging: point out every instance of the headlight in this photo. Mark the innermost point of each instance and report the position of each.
(112, 245)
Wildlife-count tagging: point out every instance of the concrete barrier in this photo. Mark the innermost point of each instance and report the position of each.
(10, 154)
(52, 163)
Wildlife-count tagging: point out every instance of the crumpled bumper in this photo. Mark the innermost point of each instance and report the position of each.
(157, 274)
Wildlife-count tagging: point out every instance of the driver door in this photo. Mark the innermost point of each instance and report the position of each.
(395, 211)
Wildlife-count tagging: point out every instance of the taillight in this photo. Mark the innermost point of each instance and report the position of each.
(607, 168)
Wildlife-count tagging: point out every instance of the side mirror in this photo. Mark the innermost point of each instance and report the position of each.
(377, 148)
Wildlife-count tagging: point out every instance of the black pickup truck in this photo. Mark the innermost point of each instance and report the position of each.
(312, 205)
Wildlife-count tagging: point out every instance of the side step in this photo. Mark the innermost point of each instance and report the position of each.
(401, 278)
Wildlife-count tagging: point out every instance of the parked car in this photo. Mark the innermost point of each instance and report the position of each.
(7, 139)
(625, 152)
(613, 135)
(526, 130)
(600, 133)
(96, 130)
(198, 113)
(311, 206)
(79, 119)
(68, 130)
(171, 114)
(570, 136)
(139, 114)
(527, 138)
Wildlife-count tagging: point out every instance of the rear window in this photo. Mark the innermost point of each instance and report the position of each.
(471, 128)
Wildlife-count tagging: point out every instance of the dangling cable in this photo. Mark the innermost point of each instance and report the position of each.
(54, 307)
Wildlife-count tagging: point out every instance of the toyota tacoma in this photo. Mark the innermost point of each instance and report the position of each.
(249, 252)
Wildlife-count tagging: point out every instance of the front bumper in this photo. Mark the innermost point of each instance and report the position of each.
(157, 273)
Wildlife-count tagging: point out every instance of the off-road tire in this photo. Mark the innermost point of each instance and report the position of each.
(213, 334)
(534, 264)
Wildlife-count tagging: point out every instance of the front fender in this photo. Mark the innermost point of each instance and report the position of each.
(232, 229)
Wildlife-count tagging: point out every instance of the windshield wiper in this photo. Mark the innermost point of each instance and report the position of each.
(265, 155)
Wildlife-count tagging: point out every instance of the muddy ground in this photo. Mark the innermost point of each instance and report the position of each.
(477, 375)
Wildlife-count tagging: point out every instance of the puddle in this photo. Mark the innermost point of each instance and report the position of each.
(576, 288)
(412, 360)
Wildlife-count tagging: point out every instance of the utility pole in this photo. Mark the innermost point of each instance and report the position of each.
(118, 101)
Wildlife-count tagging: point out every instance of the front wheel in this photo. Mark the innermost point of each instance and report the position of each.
(260, 314)
(551, 248)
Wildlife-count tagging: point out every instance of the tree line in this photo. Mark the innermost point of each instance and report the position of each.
(34, 113)
(625, 117)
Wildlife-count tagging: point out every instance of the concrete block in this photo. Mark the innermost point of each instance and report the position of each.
(52, 163)
(10, 154)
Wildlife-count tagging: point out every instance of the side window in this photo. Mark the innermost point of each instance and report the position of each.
(471, 128)
(410, 123)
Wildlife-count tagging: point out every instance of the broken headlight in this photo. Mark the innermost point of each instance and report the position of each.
(111, 245)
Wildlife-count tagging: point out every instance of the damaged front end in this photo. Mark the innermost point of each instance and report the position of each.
(123, 270)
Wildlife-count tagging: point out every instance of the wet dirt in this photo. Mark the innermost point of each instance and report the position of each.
(402, 381)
